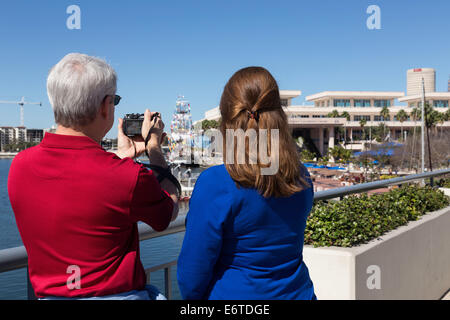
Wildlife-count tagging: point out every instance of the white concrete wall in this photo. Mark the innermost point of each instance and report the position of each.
(332, 271)
(446, 191)
(414, 263)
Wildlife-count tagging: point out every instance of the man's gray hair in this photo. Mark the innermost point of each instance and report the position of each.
(76, 87)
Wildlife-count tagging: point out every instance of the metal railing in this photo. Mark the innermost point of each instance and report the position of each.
(16, 258)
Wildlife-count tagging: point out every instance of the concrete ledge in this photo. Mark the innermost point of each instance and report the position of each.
(446, 191)
(447, 296)
(410, 262)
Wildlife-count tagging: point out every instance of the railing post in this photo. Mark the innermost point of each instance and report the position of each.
(30, 291)
(168, 282)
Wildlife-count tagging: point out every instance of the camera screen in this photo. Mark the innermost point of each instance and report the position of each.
(133, 127)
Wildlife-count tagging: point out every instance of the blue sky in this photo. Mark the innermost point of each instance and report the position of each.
(161, 49)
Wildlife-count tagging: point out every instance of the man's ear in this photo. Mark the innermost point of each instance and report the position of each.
(104, 107)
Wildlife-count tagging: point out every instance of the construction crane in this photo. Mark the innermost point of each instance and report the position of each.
(21, 103)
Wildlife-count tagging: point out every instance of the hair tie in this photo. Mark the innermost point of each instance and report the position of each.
(253, 115)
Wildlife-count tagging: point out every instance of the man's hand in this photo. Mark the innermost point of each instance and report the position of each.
(128, 147)
(157, 132)
(134, 147)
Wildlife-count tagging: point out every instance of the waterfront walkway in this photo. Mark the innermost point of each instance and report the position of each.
(7, 155)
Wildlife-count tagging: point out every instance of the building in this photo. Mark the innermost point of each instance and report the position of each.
(414, 80)
(313, 123)
(109, 144)
(318, 129)
(8, 135)
(20, 134)
(11, 135)
(438, 100)
(35, 135)
(50, 130)
(286, 100)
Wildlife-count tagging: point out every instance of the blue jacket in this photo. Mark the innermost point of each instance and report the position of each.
(240, 246)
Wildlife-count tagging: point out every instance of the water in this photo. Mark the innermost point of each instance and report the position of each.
(13, 284)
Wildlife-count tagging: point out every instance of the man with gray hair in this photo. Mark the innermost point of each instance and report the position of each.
(76, 205)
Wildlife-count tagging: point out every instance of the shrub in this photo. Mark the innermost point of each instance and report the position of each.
(307, 155)
(387, 176)
(444, 183)
(358, 219)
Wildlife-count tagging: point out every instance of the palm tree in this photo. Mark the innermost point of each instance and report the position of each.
(210, 124)
(443, 117)
(446, 117)
(333, 114)
(440, 118)
(416, 114)
(362, 123)
(384, 113)
(431, 119)
(402, 116)
(345, 115)
(335, 152)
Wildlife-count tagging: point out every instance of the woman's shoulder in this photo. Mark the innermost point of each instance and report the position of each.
(211, 190)
(213, 169)
(304, 173)
(214, 178)
(303, 170)
(214, 173)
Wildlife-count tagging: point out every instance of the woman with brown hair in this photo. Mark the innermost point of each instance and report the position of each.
(246, 220)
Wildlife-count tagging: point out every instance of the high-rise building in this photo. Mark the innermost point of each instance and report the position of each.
(8, 135)
(1, 139)
(414, 81)
(35, 135)
(20, 134)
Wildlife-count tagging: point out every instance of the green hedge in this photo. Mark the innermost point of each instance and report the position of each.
(444, 183)
(358, 219)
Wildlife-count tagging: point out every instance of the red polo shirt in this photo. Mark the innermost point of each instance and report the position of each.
(77, 205)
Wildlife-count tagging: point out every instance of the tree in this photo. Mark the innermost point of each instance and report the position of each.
(345, 115)
(335, 152)
(378, 132)
(340, 154)
(416, 114)
(210, 124)
(18, 146)
(447, 114)
(306, 155)
(338, 130)
(402, 116)
(384, 113)
(443, 117)
(333, 114)
(362, 123)
(431, 119)
(346, 154)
